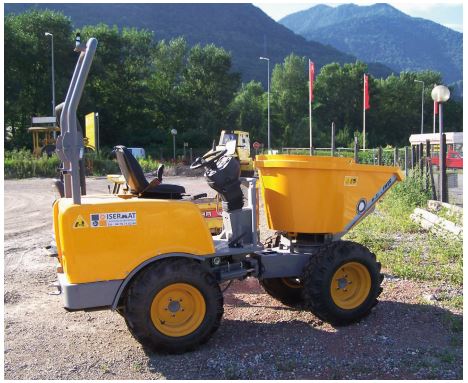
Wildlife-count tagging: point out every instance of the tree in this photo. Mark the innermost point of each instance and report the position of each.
(117, 86)
(208, 88)
(27, 85)
(289, 98)
(339, 97)
(248, 110)
(168, 104)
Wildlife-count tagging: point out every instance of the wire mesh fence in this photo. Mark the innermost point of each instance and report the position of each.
(454, 183)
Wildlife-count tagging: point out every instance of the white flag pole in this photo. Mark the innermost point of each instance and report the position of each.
(364, 114)
(310, 111)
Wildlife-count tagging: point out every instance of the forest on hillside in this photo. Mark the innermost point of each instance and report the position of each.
(143, 88)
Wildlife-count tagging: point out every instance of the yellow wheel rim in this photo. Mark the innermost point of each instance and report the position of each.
(178, 310)
(350, 285)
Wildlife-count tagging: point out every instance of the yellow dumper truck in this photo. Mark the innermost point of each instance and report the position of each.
(149, 254)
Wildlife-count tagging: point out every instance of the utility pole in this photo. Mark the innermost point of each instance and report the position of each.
(268, 90)
(422, 105)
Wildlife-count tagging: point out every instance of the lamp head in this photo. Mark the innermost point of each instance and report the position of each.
(440, 93)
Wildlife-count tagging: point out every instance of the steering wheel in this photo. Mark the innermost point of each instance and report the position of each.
(208, 159)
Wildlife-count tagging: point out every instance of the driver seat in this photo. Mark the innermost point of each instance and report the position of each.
(137, 182)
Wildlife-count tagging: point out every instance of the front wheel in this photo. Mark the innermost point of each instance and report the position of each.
(342, 282)
(173, 305)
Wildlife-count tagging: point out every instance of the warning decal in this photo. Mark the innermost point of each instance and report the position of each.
(211, 214)
(350, 181)
(80, 223)
(127, 218)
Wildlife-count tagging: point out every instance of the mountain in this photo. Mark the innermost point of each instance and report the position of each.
(242, 29)
(383, 34)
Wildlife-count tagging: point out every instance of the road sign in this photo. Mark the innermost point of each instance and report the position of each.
(256, 145)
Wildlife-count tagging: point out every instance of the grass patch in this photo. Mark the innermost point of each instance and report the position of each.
(455, 325)
(402, 246)
(451, 216)
(455, 302)
(22, 164)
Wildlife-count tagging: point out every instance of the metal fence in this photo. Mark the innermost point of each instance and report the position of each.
(454, 185)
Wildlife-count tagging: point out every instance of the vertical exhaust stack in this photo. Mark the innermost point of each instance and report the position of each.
(70, 143)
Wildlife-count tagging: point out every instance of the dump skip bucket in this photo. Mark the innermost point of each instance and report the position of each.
(309, 194)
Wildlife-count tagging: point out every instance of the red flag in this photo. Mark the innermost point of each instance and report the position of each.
(436, 107)
(366, 92)
(311, 81)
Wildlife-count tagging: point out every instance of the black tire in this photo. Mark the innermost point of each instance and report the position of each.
(158, 276)
(286, 290)
(317, 280)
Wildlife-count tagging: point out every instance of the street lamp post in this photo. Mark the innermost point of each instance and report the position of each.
(422, 105)
(441, 94)
(173, 132)
(53, 73)
(268, 90)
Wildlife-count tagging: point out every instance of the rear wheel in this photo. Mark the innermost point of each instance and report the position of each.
(173, 305)
(342, 282)
(286, 290)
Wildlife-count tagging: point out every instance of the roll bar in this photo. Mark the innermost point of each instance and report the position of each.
(70, 142)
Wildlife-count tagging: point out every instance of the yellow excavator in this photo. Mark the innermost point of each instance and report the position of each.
(242, 140)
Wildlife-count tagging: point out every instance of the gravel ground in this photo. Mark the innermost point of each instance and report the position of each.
(406, 336)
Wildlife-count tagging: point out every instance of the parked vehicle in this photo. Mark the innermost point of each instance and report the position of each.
(138, 152)
(453, 160)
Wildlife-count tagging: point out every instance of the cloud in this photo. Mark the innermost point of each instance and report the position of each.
(456, 27)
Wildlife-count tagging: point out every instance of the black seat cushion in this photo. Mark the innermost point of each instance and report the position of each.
(164, 191)
(136, 180)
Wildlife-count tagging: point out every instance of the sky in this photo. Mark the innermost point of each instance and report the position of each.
(449, 14)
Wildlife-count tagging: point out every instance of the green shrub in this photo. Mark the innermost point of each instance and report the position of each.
(148, 164)
(411, 192)
(22, 164)
(100, 164)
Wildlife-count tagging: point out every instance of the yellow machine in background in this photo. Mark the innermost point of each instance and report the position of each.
(90, 141)
(242, 149)
(43, 140)
(43, 134)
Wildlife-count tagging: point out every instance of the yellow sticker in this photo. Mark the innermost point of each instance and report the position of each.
(350, 181)
(80, 223)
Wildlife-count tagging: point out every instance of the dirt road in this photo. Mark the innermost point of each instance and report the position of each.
(404, 337)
